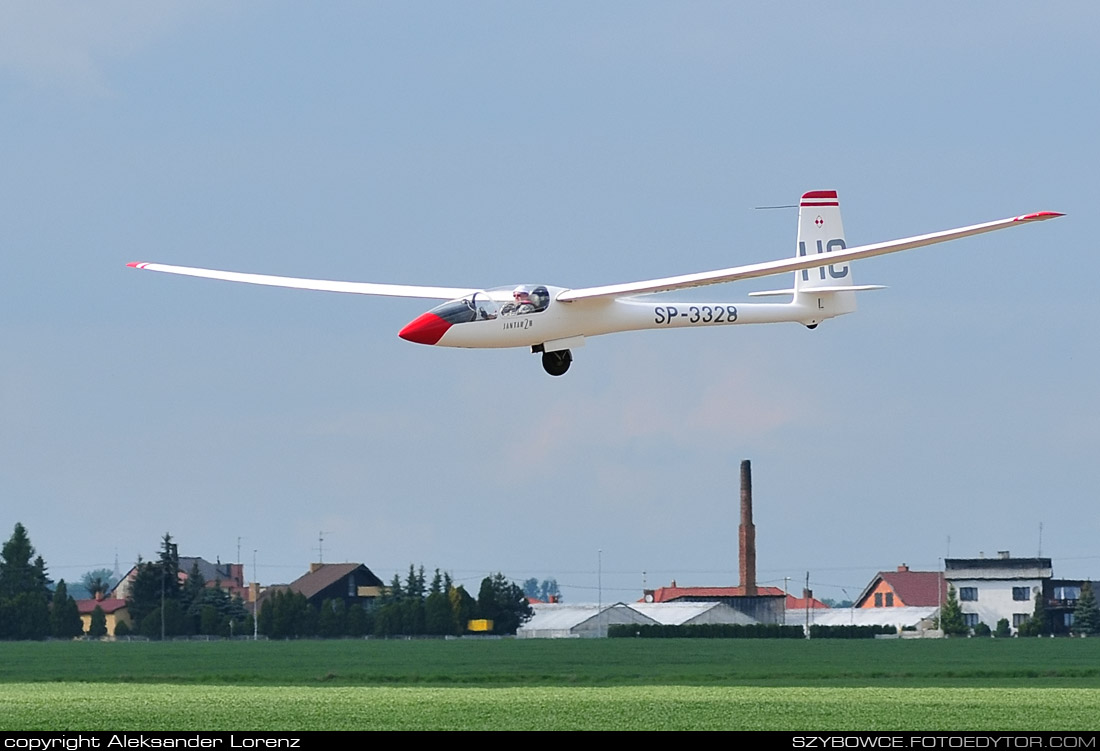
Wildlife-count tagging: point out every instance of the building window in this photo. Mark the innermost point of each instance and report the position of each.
(1021, 594)
(968, 594)
(970, 619)
(1019, 619)
(889, 599)
(1067, 593)
(878, 599)
(1067, 619)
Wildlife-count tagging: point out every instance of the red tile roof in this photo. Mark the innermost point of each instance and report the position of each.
(803, 603)
(107, 606)
(913, 588)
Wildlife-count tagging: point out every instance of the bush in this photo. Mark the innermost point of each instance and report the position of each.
(707, 631)
(850, 632)
(982, 630)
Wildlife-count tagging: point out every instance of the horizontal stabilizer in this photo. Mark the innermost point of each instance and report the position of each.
(817, 290)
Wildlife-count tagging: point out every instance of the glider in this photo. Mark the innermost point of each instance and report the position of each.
(554, 320)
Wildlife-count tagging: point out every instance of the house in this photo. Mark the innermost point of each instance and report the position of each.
(989, 589)
(1061, 596)
(904, 588)
(113, 608)
(353, 583)
(226, 576)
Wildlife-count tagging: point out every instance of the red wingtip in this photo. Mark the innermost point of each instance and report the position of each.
(1038, 216)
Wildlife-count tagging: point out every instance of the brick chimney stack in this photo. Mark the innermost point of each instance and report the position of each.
(746, 534)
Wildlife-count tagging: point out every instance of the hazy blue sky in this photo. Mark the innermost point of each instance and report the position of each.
(482, 144)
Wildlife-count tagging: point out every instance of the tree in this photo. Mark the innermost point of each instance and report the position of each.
(437, 609)
(65, 620)
(18, 574)
(951, 617)
(504, 603)
(332, 621)
(155, 582)
(1003, 630)
(1086, 616)
(24, 590)
(463, 607)
(549, 592)
(99, 581)
(98, 627)
(1038, 624)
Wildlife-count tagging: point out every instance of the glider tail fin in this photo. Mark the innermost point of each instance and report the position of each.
(827, 290)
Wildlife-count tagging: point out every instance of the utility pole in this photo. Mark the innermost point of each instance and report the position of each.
(256, 602)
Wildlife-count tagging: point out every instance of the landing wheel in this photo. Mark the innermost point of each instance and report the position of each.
(556, 363)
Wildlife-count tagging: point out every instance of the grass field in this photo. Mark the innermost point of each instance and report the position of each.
(1012, 684)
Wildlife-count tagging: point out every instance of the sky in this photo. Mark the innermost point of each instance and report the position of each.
(481, 144)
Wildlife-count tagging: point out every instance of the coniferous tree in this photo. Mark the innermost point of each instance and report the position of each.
(1086, 616)
(24, 591)
(437, 609)
(1038, 624)
(951, 616)
(65, 620)
(97, 629)
(18, 574)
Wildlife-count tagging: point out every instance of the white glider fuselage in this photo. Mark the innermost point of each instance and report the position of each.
(585, 318)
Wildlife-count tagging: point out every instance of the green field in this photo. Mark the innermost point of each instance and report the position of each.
(1012, 684)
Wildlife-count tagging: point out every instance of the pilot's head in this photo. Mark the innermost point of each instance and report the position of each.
(521, 294)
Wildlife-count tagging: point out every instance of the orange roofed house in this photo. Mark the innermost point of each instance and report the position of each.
(904, 588)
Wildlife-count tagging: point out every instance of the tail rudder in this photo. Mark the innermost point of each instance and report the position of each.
(826, 290)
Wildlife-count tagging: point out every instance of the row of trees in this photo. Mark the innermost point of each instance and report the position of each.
(162, 606)
(1086, 618)
(413, 607)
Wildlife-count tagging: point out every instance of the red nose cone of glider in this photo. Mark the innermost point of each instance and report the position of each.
(427, 329)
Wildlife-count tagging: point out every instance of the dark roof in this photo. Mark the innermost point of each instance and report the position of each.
(913, 588)
(672, 593)
(325, 575)
(1002, 563)
(210, 572)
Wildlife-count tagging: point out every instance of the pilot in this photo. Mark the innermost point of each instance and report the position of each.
(523, 302)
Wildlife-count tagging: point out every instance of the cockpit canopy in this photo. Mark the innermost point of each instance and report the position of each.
(486, 305)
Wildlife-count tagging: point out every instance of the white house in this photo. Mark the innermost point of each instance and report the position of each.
(989, 589)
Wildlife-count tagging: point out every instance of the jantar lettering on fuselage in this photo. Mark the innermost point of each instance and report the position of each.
(523, 323)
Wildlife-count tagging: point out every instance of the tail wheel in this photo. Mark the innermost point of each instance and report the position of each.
(556, 363)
